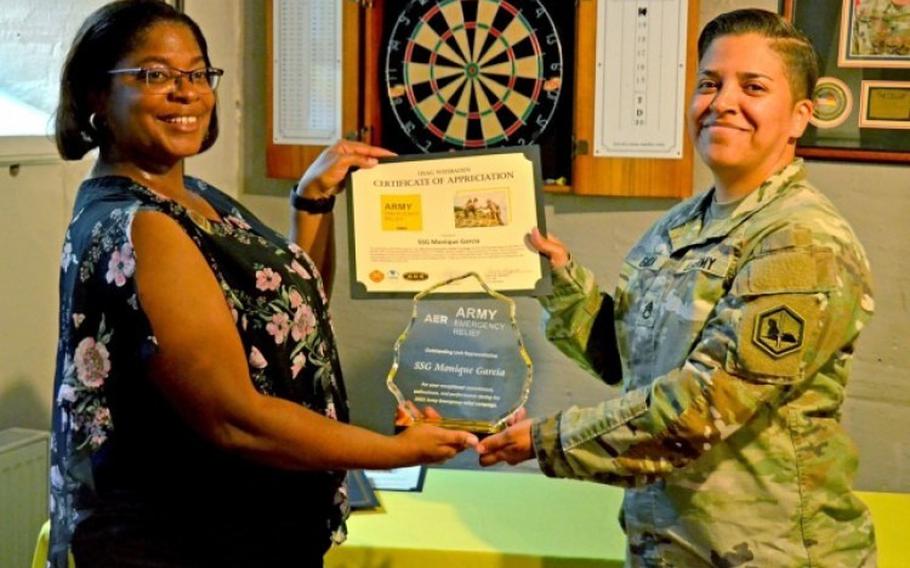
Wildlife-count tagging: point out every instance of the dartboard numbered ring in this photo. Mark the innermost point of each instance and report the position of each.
(473, 73)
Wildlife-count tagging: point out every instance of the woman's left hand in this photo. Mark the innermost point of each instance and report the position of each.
(322, 178)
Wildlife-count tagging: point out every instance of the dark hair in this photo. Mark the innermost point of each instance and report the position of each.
(794, 48)
(106, 36)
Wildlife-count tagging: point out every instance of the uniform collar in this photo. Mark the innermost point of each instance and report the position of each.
(685, 230)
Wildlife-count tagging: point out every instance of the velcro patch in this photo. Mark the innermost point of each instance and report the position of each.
(795, 270)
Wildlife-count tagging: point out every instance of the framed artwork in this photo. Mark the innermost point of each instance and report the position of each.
(875, 33)
(862, 98)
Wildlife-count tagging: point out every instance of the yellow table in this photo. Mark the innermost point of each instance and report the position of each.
(521, 520)
(488, 520)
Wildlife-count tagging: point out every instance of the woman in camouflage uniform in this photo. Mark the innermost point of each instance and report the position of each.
(732, 330)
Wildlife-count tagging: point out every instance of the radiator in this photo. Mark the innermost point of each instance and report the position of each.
(23, 494)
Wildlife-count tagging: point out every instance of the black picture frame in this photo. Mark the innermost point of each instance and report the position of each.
(850, 136)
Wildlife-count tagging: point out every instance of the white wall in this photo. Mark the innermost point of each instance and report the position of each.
(875, 198)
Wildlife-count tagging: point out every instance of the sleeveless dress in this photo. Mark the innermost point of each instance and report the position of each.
(131, 482)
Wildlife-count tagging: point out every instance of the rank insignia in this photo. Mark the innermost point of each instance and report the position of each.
(778, 331)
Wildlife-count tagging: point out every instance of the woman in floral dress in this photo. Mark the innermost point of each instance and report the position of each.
(200, 416)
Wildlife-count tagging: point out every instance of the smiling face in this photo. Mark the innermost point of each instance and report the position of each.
(158, 129)
(743, 116)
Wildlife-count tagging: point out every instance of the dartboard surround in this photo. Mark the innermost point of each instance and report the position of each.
(473, 73)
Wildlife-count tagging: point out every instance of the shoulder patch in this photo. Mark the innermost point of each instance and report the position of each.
(778, 331)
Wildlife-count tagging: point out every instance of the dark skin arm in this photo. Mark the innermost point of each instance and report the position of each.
(314, 232)
(201, 368)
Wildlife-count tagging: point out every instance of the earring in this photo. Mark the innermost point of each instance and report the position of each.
(91, 121)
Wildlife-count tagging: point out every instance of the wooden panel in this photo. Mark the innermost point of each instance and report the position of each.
(372, 55)
(289, 161)
(629, 177)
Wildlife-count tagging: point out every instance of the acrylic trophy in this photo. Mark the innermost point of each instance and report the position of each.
(461, 362)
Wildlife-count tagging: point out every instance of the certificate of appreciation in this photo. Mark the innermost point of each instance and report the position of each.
(417, 220)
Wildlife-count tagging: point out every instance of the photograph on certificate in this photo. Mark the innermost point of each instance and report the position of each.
(417, 220)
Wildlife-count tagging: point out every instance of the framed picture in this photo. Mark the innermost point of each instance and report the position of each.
(885, 104)
(864, 78)
(875, 33)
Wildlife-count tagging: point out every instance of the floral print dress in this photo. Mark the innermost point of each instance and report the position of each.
(119, 451)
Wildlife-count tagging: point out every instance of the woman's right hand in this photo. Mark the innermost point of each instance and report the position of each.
(550, 247)
(424, 443)
(324, 176)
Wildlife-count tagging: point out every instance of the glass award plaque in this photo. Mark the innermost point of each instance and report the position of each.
(461, 361)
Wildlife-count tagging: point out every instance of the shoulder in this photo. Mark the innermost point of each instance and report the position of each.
(800, 242)
(105, 206)
(154, 233)
(804, 217)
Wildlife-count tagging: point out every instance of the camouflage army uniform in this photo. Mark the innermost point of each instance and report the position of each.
(736, 343)
(881, 28)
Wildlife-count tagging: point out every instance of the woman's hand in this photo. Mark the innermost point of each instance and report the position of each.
(424, 443)
(550, 247)
(324, 175)
(406, 414)
(513, 445)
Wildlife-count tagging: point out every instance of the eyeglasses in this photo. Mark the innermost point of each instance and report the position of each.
(160, 80)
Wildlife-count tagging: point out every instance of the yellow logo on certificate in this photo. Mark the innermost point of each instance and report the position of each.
(401, 213)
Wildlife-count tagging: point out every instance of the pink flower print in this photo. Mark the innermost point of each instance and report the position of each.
(257, 361)
(92, 362)
(102, 417)
(299, 269)
(238, 222)
(295, 248)
(295, 298)
(279, 327)
(121, 266)
(304, 323)
(267, 279)
(330, 411)
(297, 364)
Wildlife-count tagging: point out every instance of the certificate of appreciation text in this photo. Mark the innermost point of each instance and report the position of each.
(417, 220)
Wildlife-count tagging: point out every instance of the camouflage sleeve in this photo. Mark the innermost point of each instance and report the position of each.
(579, 322)
(789, 312)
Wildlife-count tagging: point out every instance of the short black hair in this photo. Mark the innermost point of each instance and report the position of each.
(794, 48)
(107, 35)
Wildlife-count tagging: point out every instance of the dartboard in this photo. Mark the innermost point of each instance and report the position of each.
(473, 73)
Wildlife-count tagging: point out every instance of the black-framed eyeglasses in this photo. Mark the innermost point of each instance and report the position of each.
(160, 80)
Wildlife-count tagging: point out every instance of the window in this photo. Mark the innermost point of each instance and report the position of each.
(34, 39)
